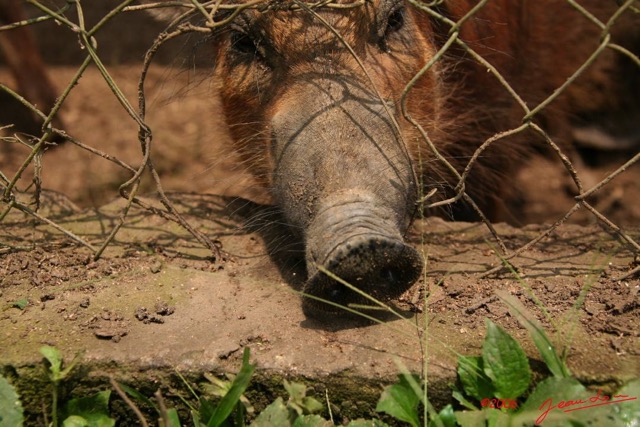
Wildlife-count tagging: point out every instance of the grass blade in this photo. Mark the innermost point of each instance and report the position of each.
(548, 353)
(232, 398)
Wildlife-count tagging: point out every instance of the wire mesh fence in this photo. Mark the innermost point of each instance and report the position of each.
(207, 19)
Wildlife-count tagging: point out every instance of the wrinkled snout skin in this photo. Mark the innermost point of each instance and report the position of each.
(312, 99)
(344, 179)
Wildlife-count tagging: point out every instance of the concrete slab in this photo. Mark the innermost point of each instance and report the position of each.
(155, 304)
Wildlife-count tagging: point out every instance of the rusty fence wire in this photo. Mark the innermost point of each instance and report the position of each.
(209, 19)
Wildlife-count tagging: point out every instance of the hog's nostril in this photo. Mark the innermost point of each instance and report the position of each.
(389, 275)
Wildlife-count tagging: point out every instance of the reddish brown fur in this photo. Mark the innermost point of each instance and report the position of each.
(536, 45)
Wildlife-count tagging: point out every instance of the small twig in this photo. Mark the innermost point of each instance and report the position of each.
(617, 230)
(628, 275)
(31, 21)
(47, 221)
(474, 307)
(128, 401)
(532, 242)
(570, 80)
(164, 417)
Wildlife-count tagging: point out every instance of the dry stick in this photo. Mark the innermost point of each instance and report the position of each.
(54, 110)
(378, 94)
(108, 17)
(576, 179)
(26, 22)
(203, 11)
(609, 178)
(625, 52)
(611, 225)
(570, 80)
(628, 275)
(68, 233)
(156, 5)
(145, 141)
(494, 71)
(460, 193)
(102, 154)
(10, 205)
(34, 149)
(484, 146)
(55, 15)
(37, 178)
(530, 114)
(129, 402)
(587, 14)
(9, 188)
(563, 158)
(607, 28)
(135, 180)
(163, 409)
(531, 243)
(189, 6)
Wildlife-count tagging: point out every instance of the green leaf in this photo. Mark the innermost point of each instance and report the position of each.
(629, 411)
(400, 401)
(505, 363)
(312, 421)
(20, 304)
(299, 401)
(548, 353)
(367, 423)
(94, 409)
(471, 418)
(231, 399)
(446, 418)
(54, 358)
(75, 421)
(496, 418)
(548, 393)
(206, 409)
(138, 396)
(276, 414)
(11, 413)
(463, 400)
(172, 419)
(573, 405)
(196, 418)
(474, 381)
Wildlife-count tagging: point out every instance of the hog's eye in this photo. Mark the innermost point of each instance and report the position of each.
(391, 23)
(243, 44)
(395, 21)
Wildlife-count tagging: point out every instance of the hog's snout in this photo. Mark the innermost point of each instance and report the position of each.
(379, 266)
(359, 243)
(344, 180)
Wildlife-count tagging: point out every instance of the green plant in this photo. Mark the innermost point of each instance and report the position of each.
(92, 411)
(11, 413)
(494, 386)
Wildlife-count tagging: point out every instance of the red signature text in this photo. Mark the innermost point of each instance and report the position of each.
(499, 403)
(598, 399)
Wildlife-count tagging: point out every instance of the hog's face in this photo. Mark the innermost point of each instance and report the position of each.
(311, 98)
